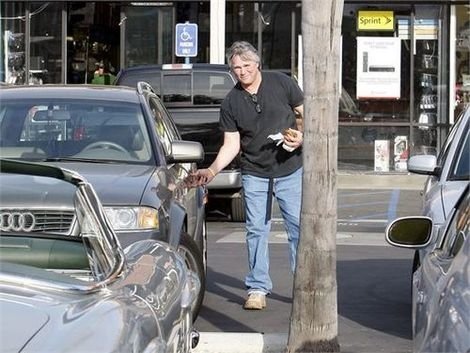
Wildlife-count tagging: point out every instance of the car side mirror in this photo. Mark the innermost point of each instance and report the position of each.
(423, 164)
(409, 232)
(186, 152)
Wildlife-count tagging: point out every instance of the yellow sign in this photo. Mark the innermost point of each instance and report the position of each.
(375, 21)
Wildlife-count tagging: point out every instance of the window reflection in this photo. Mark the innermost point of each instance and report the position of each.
(45, 60)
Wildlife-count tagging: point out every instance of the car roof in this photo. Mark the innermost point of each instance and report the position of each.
(110, 93)
(182, 67)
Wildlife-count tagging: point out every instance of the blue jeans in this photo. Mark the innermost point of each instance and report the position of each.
(288, 193)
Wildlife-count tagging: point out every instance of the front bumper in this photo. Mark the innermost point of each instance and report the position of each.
(226, 179)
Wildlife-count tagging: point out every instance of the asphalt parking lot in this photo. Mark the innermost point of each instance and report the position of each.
(374, 303)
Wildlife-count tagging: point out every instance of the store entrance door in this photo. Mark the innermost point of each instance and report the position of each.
(395, 85)
(92, 41)
(148, 35)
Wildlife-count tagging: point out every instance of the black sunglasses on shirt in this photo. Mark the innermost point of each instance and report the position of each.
(254, 99)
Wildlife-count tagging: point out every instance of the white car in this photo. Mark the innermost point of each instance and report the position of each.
(441, 285)
(449, 175)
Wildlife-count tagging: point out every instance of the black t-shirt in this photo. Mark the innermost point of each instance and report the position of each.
(277, 95)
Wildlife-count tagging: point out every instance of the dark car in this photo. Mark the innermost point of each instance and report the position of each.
(192, 94)
(80, 290)
(122, 141)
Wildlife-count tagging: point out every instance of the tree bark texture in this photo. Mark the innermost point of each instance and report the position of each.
(314, 317)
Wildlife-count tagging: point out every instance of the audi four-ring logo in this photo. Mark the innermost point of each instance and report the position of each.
(17, 221)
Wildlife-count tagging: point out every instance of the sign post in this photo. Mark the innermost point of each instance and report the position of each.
(186, 40)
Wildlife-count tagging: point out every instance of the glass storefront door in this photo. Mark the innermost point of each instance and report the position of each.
(45, 43)
(461, 44)
(31, 46)
(394, 97)
(92, 41)
(13, 46)
(148, 35)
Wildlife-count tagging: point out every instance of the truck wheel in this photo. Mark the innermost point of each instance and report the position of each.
(189, 250)
(237, 208)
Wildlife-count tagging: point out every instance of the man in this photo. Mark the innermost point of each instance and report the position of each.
(102, 76)
(260, 105)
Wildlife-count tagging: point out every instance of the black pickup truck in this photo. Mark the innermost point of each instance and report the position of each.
(192, 93)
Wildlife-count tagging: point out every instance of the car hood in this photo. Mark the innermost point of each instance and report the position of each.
(16, 191)
(115, 184)
(30, 318)
(13, 340)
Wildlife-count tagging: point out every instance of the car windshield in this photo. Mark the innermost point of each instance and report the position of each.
(74, 129)
(461, 166)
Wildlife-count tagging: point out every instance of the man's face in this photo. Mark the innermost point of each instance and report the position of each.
(246, 71)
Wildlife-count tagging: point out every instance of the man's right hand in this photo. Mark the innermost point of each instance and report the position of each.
(200, 177)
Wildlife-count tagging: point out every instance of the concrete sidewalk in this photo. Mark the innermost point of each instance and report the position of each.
(258, 342)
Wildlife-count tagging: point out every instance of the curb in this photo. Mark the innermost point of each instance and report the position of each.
(237, 342)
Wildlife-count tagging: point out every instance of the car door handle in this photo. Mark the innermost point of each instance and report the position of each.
(420, 297)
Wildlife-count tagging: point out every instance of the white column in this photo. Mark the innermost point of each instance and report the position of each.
(217, 30)
(452, 64)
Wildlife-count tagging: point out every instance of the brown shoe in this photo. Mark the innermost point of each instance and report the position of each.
(255, 301)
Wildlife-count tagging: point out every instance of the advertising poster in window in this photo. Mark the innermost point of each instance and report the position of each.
(378, 67)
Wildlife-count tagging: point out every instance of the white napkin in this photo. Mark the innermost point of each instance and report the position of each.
(278, 139)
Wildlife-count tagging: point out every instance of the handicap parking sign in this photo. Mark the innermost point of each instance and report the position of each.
(186, 39)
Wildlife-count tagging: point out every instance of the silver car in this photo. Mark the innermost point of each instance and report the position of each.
(449, 175)
(82, 291)
(124, 142)
(441, 285)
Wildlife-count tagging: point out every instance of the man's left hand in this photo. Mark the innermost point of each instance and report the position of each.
(293, 138)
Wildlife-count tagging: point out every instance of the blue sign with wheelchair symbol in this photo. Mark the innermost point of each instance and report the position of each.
(186, 39)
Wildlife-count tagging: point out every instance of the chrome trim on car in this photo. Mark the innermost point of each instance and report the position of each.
(17, 221)
(18, 280)
(37, 220)
(226, 180)
(109, 260)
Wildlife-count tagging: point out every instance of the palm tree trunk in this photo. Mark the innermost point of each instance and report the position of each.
(314, 317)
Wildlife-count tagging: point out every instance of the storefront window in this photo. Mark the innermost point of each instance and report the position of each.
(13, 47)
(45, 58)
(462, 58)
(375, 148)
(393, 78)
(272, 27)
(92, 41)
(44, 63)
(148, 35)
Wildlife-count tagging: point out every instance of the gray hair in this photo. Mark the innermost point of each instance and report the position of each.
(244, 50)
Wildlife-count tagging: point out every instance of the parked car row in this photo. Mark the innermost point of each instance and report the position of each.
(123, 141)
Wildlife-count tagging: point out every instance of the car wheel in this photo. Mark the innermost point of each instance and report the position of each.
(193, 259)
(237, 208)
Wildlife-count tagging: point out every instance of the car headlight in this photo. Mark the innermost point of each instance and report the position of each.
(132, 218)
